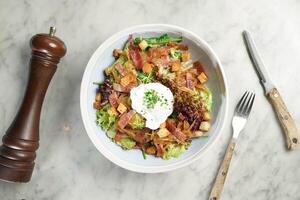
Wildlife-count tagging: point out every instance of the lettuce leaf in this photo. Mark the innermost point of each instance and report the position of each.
(126, 142)
(104, 120)
(137, 122)
(206, 96)
(173, 151)
(175, 53)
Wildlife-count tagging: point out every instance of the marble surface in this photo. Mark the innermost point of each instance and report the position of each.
(69, 167)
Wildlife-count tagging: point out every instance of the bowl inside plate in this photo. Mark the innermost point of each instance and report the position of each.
(133, 159)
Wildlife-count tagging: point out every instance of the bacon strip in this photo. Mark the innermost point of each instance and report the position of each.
(181, 117)
(125, 118)
(118, 87)
(113, 99)
(189, 80)
(140, 137)
(199, 66)
(176, 132)
(183, 47)
(118, 137)
(136, 57)
(120, 69)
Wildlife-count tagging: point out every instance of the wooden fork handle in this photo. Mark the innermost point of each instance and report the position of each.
(286, 121)
(220, 179)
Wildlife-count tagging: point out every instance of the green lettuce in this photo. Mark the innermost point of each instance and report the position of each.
(104, 120)
(126, 142)
(173, 151)
(121, 60)
(175, 53)
(164, 72)
(161, 40)
(144, 78)
(206, 96)
(111, 133)
(137, 122)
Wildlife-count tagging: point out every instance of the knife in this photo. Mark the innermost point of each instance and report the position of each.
(286, 121)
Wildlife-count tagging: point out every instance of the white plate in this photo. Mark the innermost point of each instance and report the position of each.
(133, 159)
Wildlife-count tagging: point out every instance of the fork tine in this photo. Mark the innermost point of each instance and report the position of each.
(243, 103)
(240, 103)
(246, 104)
(251, 100)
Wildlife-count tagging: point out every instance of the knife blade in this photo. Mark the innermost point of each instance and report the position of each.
(286, 121)
(258, 64)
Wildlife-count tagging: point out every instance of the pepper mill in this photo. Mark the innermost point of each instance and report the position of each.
(18, 152)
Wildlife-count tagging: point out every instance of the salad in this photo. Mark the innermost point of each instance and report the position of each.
(154, 97)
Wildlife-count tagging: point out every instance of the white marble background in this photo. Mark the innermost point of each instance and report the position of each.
(69, 167)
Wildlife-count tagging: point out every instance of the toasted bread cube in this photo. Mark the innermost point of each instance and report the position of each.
(151, 150)
(143, 44)
(204, 126)
(127, 79)
(97, 105)
(185, 56)
(198, 134)
(98, 97)
(122, 108)
(163, 132)
(117, 53)
(129, 66)
(112, 111)
(202, 78)
(147, 68)
(186, 125)
(206, 116)
(176, 66)
(163, 125)
(124, 81)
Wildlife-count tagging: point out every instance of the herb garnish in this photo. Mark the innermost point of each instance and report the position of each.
(151, 98)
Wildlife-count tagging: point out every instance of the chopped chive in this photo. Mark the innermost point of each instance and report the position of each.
(144, 154)
(97, 83)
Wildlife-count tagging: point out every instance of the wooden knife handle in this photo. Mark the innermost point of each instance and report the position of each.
(286, 121)
(220, 179)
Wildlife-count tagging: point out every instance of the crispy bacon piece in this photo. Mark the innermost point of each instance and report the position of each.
(157, 52)
(130, 39)
(118, 87)
(199, 66)
(159, 151)
(176, 132)
(113, 99)
(120, 68)
(129, 87)
(126, 89)
(125, 118)
(181, 117)
(189, 80)
(183, 47)
(138, 146)
(163, 61)
(118, 137)
(140, 137)
(136, 57)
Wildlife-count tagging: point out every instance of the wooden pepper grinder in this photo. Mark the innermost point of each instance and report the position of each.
(17, 154)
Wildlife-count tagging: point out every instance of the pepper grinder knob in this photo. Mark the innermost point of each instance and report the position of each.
(18, 151)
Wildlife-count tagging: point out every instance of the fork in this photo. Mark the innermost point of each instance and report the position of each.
(240, 117)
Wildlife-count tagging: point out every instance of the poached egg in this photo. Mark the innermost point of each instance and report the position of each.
(154, 102)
